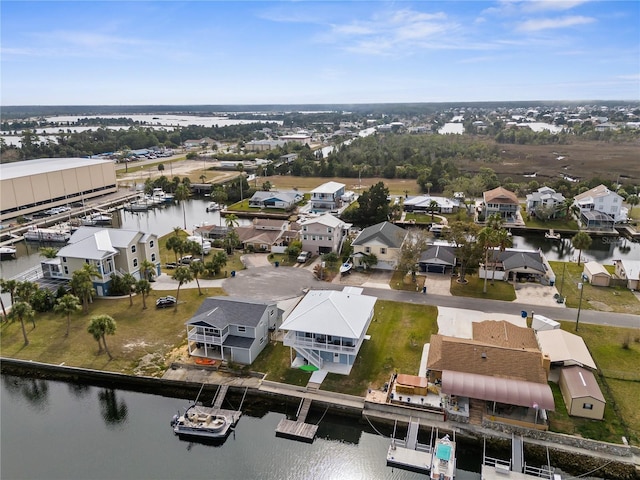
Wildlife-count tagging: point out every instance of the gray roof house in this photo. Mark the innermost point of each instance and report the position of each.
(515, 264)
(438, 258)
(382, 240)
(231, 329)
(545, 197)
(275, 199)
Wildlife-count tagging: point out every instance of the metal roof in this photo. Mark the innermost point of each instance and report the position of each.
(46, 165)
(581, 383)
(562, 346)
(498, 389)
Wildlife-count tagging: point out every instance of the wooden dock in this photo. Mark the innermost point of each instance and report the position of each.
(220, 396)
(232, 415)
(298, 429)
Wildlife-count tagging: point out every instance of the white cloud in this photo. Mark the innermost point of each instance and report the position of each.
(538, 24)
(551, 5)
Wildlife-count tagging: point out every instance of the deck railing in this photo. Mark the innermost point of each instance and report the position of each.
(292, 340)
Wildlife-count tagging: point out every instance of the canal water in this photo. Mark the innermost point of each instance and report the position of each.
(58, 430)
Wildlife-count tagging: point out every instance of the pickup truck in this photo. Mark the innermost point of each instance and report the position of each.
(303, 257)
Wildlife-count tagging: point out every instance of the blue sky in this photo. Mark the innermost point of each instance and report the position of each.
(241, 52)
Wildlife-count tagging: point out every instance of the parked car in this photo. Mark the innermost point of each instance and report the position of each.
(303, 257)
(171, 265)
(186, 260)
(165, 302)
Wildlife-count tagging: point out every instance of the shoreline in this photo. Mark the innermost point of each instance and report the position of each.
(622, 461)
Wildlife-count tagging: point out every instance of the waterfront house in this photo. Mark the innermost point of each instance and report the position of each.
(596, 274)
(438, 258)
(422, 204)
(628, 270)
(518, 265)
(323, 234)
(327, 328)
(600, 208)
(500, 201)
(275, 199)
(547, 198)
(113, 252)
(383, 240)
(231, 329)
(581, 393)
(327, 197)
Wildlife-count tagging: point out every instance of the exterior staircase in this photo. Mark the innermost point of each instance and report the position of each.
(314, 358)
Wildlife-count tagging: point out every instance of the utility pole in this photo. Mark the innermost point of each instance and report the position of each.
(581, 288)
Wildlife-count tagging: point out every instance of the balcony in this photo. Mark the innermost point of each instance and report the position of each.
(292, 340)
(194, 336)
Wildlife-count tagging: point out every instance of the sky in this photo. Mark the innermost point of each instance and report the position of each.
(306, 52)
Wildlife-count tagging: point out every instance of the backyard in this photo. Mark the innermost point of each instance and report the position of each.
(497, 290)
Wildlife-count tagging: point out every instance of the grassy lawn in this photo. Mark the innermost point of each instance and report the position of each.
(421, 217)
(275, 360)
(387, 351)
(149, 333)
(555, 223)
(243, 206)
(474, 288)
(606, 299)
(619, 380)
(398, 282)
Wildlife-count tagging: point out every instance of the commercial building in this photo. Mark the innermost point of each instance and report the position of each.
(33, 185)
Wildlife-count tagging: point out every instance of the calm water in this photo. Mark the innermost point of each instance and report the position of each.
(58, 430)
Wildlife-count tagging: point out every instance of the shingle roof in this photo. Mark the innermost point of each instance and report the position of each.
(500, 195)
(223, 311)
(387, 233)
(504, 334)
(512, 260)
(444, 254)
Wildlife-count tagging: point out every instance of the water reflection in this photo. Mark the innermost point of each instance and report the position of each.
(79, 390)
(113, 411)
(33, 390)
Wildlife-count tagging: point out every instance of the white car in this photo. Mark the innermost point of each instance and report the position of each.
(304, 257)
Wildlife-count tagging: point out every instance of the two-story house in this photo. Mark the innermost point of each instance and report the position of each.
(600, 208)
(112, 251)
(383, 240)
(500, 201)
(327, 197)
(231, 329)
(327, 328)
(323, 234)
(547, 198)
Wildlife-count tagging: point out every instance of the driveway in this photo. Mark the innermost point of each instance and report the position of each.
(438, 284)
(374, 279)
(254, 260)
(536, 294)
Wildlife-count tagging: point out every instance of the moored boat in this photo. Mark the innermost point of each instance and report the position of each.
(57, 234)
(551, 235)
(443, 464)
(7, 251)
(213, 207)
(199, 421)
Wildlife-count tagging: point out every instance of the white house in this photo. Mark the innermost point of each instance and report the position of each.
(275, 199)
(327, 328)
(600, 200)
(112, 251)
(327, 197)
(323, 234)
(547, 198)
(629, 270)
(422, 203)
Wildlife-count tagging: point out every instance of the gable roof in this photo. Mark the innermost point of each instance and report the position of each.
(630, 268)
(329, 187)
(594, 268)
(563, 346)
(471, 356)
(261, 196)
(386, 233)
(92, 247)
(512, 260)
(500, 195)
(581, 383)
(324, 312)
(119, 237)
(221, 312)
(595, 192)
(504, 334)
(326, 219)
(441, 254)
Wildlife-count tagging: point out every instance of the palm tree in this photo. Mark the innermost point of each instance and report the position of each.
(503, 241)
(176, 244)
(567, 203)
(23, 310)
(202, 177)
(143, 287)
(581, 241)
(182, 193)
(25, 291)
(66, 305)
(429, 185)
(99, 327)
(182, 275)
(10, 287)
(129, 281)
(82, 284)
(231, 220)
(148, 270)
(231, 241)
(433, 207)
(49, 252)
(197, 269)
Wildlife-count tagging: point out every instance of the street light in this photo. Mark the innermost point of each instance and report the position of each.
(581, 288)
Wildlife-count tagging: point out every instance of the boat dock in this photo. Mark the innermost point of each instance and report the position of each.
(216, 408)
(516, 468)
(298, 429)
(409, 454)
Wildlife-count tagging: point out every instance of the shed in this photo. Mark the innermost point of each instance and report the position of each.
(540, 322)
(411, 384)
(581, 393)
(597, 274)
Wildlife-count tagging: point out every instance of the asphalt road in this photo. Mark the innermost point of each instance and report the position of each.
(271, 283)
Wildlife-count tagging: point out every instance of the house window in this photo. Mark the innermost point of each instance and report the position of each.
(261, 340)
(304, 229)
(64, 259)
(133, 249)
(304, 237)
(587, 406)
(383, 251)
(329, 239)
(242, 329)
(151, 243)
(615, 199)
(153, 257)
(313, 238)
(329, 230)
(367, 249)
(135, 262)
(66, 270)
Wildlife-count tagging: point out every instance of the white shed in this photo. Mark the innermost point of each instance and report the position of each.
(597, 274)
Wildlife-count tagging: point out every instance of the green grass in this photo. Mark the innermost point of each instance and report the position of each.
(388, 351)
(555, 223)
(275, 361)
(421, 217)
(139, 332)
(610, 299)
(474, 288)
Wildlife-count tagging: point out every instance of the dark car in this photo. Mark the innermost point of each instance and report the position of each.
(171, 265)
(164, 302)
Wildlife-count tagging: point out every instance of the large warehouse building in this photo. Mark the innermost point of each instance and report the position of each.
(33, 185)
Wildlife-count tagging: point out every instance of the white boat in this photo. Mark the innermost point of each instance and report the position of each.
(213, 207)
(140, 206)
(162, 196)
(97, 219)
(551, 235)
(443, 463)
(8, 251)
(59, 233)
(200, 421)
(345, 268)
